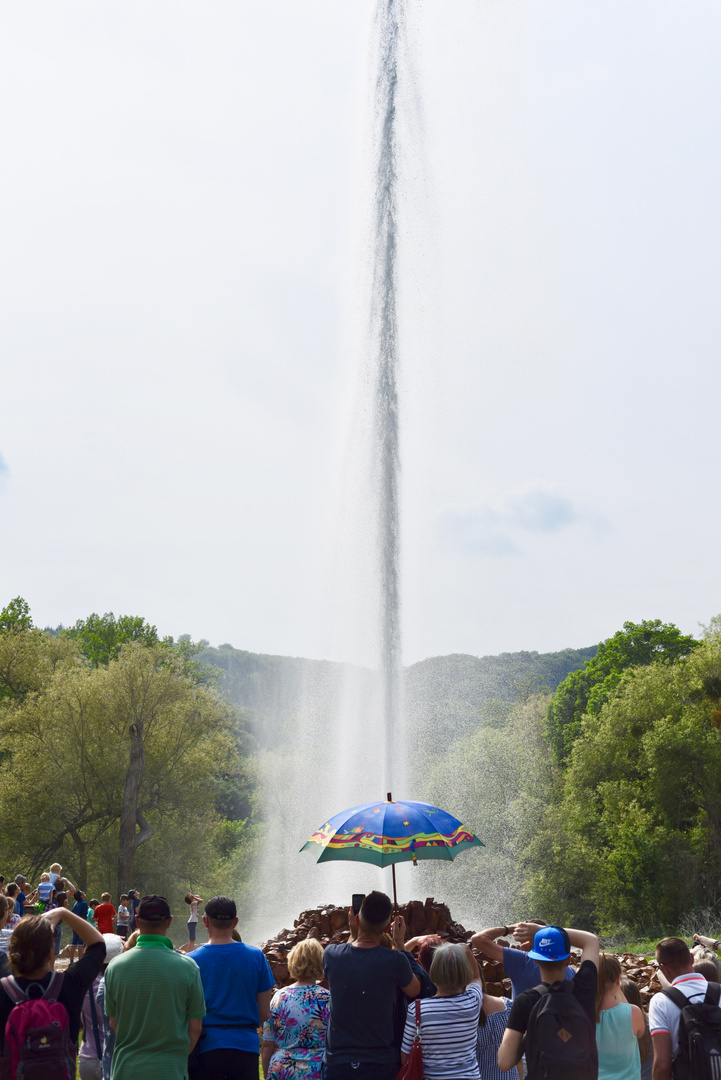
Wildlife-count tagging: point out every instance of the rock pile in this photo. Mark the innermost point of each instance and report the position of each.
(329, 924)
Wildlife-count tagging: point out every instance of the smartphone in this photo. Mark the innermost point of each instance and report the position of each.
(358, 898)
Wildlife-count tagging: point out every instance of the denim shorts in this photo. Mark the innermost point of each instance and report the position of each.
(192, 926)
(77, 940)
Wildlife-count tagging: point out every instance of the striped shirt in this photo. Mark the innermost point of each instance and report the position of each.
(449, 1029)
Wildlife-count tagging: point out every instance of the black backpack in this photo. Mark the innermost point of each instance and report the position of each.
(699, 1035)
(560, 1038)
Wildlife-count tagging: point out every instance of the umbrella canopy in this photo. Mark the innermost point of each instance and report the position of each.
(384, 833)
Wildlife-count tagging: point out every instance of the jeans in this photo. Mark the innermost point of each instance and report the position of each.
(227, 1065)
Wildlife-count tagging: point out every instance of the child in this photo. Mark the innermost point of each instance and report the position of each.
(44, 894)
(123, 924)
(91, 911)
(193, 900)
(6, 906)
(104, 914)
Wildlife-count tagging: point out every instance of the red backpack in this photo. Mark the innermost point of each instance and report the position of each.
(37, 1034)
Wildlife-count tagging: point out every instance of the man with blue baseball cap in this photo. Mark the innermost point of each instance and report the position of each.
(518, 965)
(555, 1023)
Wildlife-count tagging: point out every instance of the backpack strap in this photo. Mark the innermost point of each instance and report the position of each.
(12, 989)
(674, 994)
(713, 994)
(52, 993)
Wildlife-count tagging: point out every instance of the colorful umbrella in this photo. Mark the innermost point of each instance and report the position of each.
(384, 833)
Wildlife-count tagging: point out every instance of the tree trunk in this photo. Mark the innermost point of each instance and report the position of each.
(82, 867)
(129, 810)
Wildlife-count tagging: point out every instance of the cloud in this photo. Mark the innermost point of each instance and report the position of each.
(3, 466)
(494, 529)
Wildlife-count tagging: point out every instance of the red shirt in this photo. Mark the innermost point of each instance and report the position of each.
(104, 915)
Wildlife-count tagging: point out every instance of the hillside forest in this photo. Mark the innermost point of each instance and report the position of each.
(592, 775)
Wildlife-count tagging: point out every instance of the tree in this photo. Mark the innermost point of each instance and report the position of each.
(108, 756)
(587, 690)
(101, 637)
(636, 838)
(16, 616)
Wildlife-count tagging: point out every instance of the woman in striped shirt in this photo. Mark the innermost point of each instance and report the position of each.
(449, 1021)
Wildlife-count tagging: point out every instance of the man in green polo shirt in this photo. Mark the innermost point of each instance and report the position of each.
(154, 999)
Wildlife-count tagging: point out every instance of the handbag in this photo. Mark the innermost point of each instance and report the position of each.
(413, 1068)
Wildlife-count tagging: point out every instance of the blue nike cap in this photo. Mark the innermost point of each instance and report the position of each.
(550, 943)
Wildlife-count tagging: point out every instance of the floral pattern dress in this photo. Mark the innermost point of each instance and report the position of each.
(297, 1025)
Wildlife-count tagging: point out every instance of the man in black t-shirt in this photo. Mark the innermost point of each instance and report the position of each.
(364, 979)
(552, 952)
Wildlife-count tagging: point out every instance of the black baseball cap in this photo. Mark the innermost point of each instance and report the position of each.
(221, 908)
(153, 908)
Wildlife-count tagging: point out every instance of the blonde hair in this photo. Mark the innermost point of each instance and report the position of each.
(450, 968)
(55, 868)
(305, 960)
(106, 897)
(45, 876)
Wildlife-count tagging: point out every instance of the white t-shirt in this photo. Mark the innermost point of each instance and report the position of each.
(664, 1016)
(449, 1030)
(5, 936)
(193, 911)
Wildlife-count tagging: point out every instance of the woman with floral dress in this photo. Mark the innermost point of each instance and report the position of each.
(294, 1033)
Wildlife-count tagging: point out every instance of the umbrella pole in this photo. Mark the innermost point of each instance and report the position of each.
(395, 894)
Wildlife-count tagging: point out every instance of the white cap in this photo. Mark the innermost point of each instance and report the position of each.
(114, 946)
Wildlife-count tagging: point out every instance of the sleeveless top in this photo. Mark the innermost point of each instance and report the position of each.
(618, 1055)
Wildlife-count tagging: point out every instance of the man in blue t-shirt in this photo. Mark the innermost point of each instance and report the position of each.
(523, 972)
(238, 985)
(364, 979)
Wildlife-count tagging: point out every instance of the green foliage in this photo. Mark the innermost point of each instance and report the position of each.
(586, 690)
(101, 637)
(16, 616)
(636, 837)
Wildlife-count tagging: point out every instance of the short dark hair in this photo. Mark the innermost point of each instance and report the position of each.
(12, 888)
(375, 912)
(673, 952)
(707, 968)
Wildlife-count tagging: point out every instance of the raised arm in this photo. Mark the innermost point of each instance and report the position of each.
(586, 942)
(485, 942)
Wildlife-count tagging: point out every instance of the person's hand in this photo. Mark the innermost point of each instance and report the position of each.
(352, 924)
(525, 931)
(398, 932)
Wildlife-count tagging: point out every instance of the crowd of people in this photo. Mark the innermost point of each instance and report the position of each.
(140, 1009)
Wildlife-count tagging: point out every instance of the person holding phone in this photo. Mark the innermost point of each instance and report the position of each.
(363, 979)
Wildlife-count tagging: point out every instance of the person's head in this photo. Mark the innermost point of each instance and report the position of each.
(551, 951)
(221, 916)
(5, 906)
(189, 898)
(93, 904)
(153, 915)
(707, 968)
(56, 868)
(632, 995)
(305, 960)
(609, 975)
(21, 880)
(105, 898)
(114, 946)
(375, 913)
(124, 898)
(451, 969)
(32, 947)
(45, 876)
(674, 957)
(78, 895)
(425, 953)
(13, 889)
(61, 899)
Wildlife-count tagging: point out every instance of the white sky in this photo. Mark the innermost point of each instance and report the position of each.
(180, 193)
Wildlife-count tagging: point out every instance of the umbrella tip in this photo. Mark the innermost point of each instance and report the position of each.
(390, 797)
